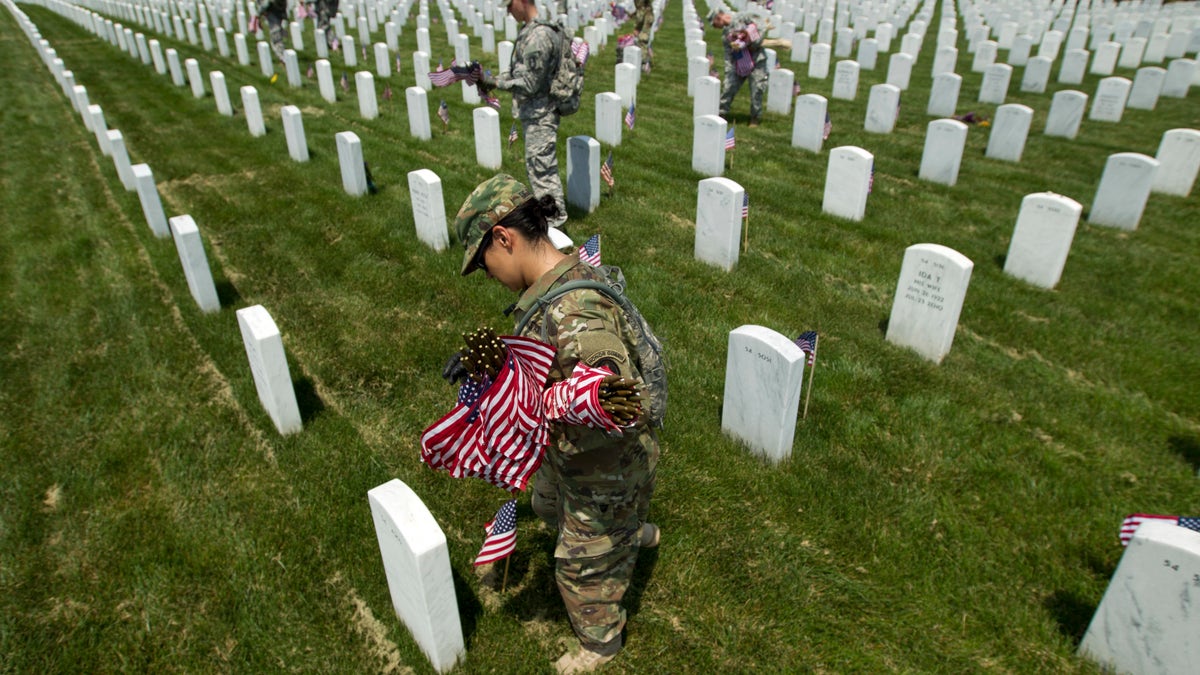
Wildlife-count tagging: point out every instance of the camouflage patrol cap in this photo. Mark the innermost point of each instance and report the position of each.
(486, 206)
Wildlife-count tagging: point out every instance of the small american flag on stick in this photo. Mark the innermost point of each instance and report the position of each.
(630, 117)
(501, 539)
(730, 141)
(606, 169)
(590, 251)
(807, 342)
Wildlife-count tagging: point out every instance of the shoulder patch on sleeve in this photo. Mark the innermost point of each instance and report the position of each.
(602, 348)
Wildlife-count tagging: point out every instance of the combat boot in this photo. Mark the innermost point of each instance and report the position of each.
(584, 660)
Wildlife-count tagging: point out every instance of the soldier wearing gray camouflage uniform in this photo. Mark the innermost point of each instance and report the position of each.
(275, 12)
(593, 488)
(326, 10)
(534, 62)
(736, 37)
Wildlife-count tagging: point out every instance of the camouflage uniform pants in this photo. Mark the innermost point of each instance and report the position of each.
(541, 160)
(733, 82)
(275, 12)
(593, 585)
(643, 20)
(326, 10)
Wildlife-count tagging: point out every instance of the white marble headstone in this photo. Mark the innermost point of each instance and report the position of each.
(1178, 162)
(929, 298)
(220, 93)
(120, 156)
(1111, 96)
(818, 61)
(253, 111)
(268, 365)
(626, 83)
(848, 182)
(996, 79)
(944, 61)
(583, 173)
(1074, 66)
(845, 80)
(868, 54)
(1180, 74)
(195, 263)
(291, 67)
(368, 104)
(764, 374)
(418, 113)
(718, 222)
(944, 144)
(1066, 113)
(779, 90)
(985, 57)
(429, 208)
(1019, 54)
(1042, 238)
(608, 118)
(707, 100)
(152, 207)
(416, 561)
(943, 96)
(266, 59)
(1147, 86)
(708, 145)
(156, 55)
(1010, 130)
(882, 107)
(1037, 75)
(177, 77)
(293, 130)
(1123, 191)
(325, 80)
(808, 125)
(1132, 52)
(350, 158)
(899, 70)
(1149, 618)
(1105, 61)
(487, 138)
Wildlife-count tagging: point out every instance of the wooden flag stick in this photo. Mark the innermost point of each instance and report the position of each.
(746, 235)
(508, 558)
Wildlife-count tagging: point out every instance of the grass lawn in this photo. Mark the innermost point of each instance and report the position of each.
(958, 517)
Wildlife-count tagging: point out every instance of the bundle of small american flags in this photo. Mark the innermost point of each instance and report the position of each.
(497, 430)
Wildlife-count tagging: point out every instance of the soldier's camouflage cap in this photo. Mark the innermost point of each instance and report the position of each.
(484, 208)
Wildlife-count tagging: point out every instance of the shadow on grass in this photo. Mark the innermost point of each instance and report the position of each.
(883, 326)
(228, 295)
(1072, 613)
(308, 400)
(1187, 447)
(469, 607)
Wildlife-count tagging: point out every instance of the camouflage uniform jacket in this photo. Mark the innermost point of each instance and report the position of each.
(737, 25)
(599, 476)
(534, 63)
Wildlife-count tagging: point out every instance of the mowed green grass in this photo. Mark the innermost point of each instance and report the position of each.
(952, 518)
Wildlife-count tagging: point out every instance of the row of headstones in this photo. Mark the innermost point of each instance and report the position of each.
(261, 337)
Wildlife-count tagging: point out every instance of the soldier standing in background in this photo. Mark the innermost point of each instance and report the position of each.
(326, 10)
(744, 59)
(593, 487)
(275, 12)
(534, 61)
(643, 20)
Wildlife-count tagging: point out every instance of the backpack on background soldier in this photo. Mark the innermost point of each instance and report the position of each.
(566, 88)
(652, 363)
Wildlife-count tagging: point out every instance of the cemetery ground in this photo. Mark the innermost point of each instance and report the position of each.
(960, 517)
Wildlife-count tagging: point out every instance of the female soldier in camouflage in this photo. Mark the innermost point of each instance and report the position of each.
(593, 488)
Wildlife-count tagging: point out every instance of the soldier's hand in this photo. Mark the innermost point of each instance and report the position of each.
(621, 398)
(454, 371)
(484, 355)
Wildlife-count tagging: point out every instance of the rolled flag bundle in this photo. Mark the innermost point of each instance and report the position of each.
(576, 400)
(626, 40)
(581, 50)
(500, 435)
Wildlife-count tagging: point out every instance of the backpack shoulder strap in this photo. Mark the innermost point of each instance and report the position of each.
(557, 292)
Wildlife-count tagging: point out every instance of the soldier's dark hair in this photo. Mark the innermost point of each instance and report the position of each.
(532, 218)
